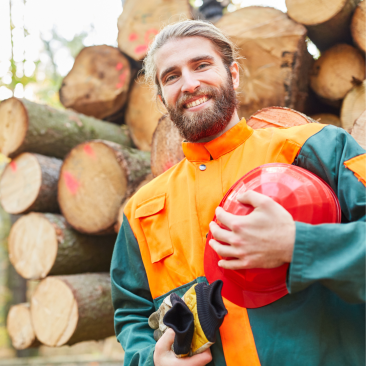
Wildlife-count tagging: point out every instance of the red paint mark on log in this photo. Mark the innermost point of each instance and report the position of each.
(89, 150)
(119, 66)
(167, 166)
(133, 37)
(13, 166)
(140, 49)
(119, 85)
(71, 182)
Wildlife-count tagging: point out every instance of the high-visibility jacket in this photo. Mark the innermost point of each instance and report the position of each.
(160, 250)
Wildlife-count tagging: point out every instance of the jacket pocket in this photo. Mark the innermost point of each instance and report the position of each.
(288, 152)
(155, 225)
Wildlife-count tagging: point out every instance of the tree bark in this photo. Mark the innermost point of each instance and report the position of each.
(278, 117)
(142, 114)
(353, 106)
(327, 119)
(72, 309)
(30, 127)
(166, 148)
(327, 21)
(44, 244)
(273, 57)
(119, 222)
(334, 73)
(359, 130)
(358, 26)
(94, 179)
(141, 20)
(98, 83)
(20, 328)
(29, 183)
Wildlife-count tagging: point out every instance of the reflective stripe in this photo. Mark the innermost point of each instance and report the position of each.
(237, 337)
(358, 166)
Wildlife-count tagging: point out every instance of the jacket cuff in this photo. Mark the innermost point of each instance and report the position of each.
(301, 259)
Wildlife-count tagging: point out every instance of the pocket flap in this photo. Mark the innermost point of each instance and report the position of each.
(150, 207)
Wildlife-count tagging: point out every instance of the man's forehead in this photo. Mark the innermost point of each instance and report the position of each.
(180, 51)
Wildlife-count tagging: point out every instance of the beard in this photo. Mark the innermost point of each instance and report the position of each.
(194, 126)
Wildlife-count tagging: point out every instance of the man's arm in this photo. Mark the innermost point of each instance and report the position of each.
(333, 254)
(132, 300)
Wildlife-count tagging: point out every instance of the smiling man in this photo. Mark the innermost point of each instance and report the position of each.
(160, 247)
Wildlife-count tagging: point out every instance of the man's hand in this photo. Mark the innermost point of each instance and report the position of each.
(164, 356)
(263, 239)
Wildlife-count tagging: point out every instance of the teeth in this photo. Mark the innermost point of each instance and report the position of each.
(197, 102)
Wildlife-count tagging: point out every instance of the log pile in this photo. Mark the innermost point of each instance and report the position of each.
(73, 171)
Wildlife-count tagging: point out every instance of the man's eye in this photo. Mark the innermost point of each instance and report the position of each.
(202, 66)
(170, 78)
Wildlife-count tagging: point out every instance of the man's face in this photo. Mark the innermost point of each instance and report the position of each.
(197, 88)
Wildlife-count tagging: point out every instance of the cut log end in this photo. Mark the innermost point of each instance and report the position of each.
(359, 130)
(353, 106)
(54, 312)
(91, 187)
(166, 149)
(13, 125)
(333, 74)
(20, 184)
(313, 12)
(358, 26)
(33, 246)
(71, 309)
(20, 328)
(142, 114)
(29, 183)
(98, 83)
(277, 117)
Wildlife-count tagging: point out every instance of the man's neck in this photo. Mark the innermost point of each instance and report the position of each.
(234, 120)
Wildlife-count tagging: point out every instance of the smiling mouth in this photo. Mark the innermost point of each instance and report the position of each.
(196, 102)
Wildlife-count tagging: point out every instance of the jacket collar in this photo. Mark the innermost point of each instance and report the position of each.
(230, 140)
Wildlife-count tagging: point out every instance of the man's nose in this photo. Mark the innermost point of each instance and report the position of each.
(190, 83)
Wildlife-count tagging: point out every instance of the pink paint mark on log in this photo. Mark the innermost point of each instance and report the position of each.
(119, 66)
(132, 37)
(140, 49)
(167, 166)
(71, 182)
(122, 78)
(13, 166)
(89, 150)
(119, 85)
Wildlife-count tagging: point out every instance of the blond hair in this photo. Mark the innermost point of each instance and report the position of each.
(188, 28)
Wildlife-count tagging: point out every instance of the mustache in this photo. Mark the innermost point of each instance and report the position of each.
(209, 92)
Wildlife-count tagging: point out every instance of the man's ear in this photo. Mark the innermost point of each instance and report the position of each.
(234, 70)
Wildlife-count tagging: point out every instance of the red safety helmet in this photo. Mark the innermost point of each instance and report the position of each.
(304, 195)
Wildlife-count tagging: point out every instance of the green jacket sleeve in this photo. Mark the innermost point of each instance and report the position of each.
(132, 300)
(333, 254)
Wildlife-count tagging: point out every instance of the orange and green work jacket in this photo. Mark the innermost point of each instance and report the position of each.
(160, 250)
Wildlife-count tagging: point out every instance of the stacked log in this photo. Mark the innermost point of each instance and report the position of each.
(29, 183)
(20, 327)
(333, 75)
(142, 114)
(71, 309)
(359, 130)
(358, 26)
(353, 106)
(98, 83)
(142, 20)
(327, 21)
(32, 127)
(43, 244)
(94, 179)
(274, 58)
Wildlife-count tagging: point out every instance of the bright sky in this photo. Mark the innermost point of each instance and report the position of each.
(69, 18)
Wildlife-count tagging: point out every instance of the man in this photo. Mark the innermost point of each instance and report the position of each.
(160, 246)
